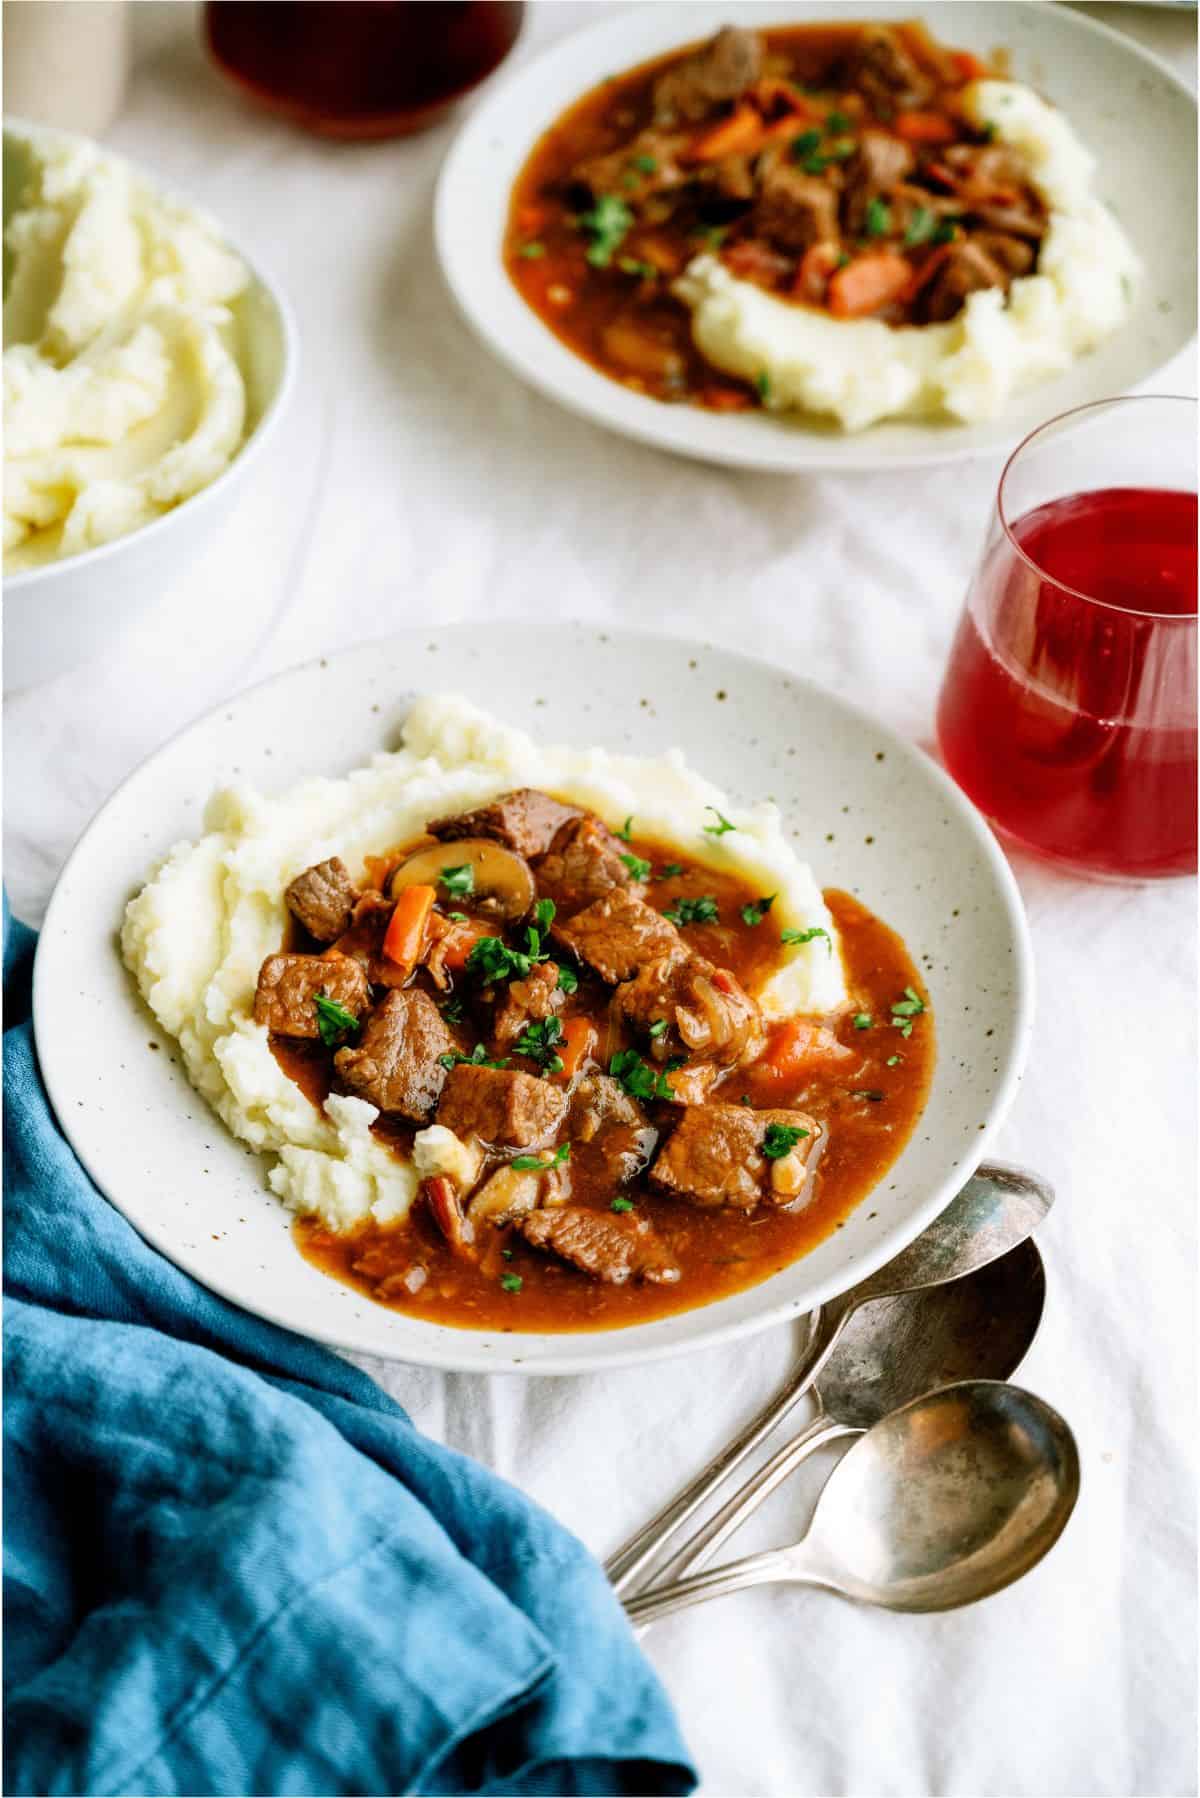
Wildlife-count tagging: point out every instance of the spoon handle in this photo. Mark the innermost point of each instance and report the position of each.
(624, 1567)
(701, 1548)
(754, 1570)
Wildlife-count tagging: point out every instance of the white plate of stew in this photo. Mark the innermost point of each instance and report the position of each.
(579, 338)
(922, 895)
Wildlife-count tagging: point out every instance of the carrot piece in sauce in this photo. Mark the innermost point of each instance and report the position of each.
(577, 1043)
(925, 128)
(405, 935)
(868, 283)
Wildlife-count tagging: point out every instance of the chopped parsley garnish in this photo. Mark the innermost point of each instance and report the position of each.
(878, 218)
(457, 917)
(791, 937)
(946, 232)
(669, 870)
(780, 1140)
(843, 260)
(568, 979)
(762, 384)
(511, 1282)
(713, 235)
(606, 225)
(528, 1164)
(453, 1011)
(334, 1022)
(862, 1020)
(506, 1254)
(459, 882)
(630, 265)
(905, 1010)
(805, 144)
(626, 831)
(531, 251)
(492, 959)
(478, 1058)
(693, 911)
(840, 151)
(721, 826)
(538, 1042)
(836, 121)
(675, 1061)
(645, 165)
(621, 1205)
(754, 914)
(868, 1092)
(892, 1060)
(659, 1027)
(638, 869)
(816, 164)
(920, 228)
(639, 1079)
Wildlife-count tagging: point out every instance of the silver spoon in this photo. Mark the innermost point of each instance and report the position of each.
(941, 1503)
(890, 1352)
(997, 1208)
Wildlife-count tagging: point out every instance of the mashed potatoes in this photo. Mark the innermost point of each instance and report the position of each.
(861, 370)
(196, 935)
(122, 392)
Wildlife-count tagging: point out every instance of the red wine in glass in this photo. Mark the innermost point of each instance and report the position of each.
(1068, 710)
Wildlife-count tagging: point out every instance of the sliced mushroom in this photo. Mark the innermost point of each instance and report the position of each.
(509, 1194)
(501, 881)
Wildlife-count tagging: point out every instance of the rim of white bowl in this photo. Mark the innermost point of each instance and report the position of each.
(590, 401)
(25, 578)
(452, 1350)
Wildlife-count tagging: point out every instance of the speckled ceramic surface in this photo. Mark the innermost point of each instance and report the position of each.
(1139, 121)
(871, 813)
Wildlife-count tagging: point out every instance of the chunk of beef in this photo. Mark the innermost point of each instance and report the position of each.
(618, 935)
(613, 1249)
(289, 985)
(584, 863)
(646, 165)
(708, 1013)
(715, 1157)
(719, 71)
(879, 165)
(525, 1002)
(323, 899)
(609, 1131)
(395, 1064)
(525, 820)
(883, 71)
(793, 209)
(1014, 254)
(965, 270)
(992, 182)
(507, 1109)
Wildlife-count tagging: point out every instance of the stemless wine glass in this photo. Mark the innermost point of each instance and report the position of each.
(1068, 709)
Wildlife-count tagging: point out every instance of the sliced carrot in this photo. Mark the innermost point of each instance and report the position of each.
(925, 127)
(405, 935)
(772, 94)
(577, 1042)
(460, 942)
(725, 399)
(800, 1048)
(743, 130)
(868, 283)
(969, 66)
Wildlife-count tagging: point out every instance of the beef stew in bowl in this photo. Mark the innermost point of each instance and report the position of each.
(555, 1024)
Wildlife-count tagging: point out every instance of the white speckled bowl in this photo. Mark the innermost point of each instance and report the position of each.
(873, 814)
(65, 613)
(1139, 120)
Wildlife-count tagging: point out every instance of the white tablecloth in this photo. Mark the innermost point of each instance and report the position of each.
(420, 482)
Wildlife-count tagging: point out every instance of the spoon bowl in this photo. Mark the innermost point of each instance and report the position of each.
(940, 1504)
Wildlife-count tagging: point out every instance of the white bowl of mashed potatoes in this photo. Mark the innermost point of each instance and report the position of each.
(146, 364)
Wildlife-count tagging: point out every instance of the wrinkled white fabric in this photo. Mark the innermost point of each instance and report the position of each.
(419, 482)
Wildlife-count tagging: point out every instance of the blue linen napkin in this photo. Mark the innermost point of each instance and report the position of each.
(232, 1565)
